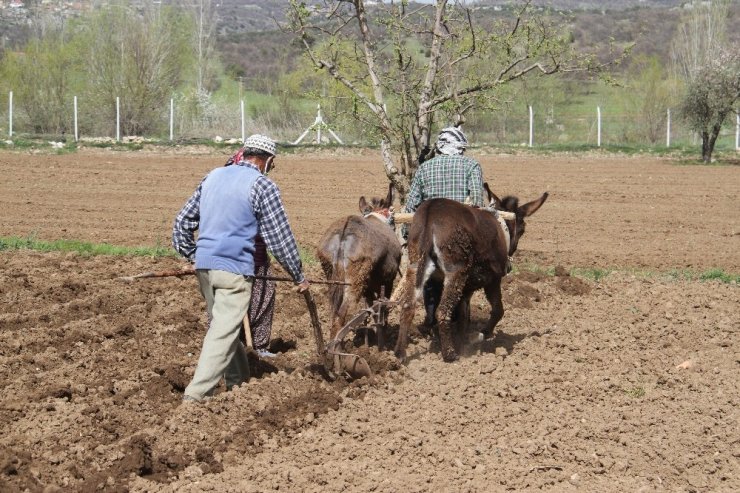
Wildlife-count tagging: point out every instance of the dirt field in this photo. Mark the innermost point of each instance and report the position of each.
(625, 384)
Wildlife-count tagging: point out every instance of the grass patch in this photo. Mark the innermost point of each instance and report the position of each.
(597, 274)
(308, 257)
(707, 275)
(719, 275)
(635, 392)
(8, 243)
(675, 275)
(593, 273)
(683, 154)
(18, 144)
(81, 247)
(538, 269)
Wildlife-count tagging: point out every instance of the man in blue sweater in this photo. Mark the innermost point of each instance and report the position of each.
(229, 208)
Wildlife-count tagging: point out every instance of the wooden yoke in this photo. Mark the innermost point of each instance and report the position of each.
(407, 217)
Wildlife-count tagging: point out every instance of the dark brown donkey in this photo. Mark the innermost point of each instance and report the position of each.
(465, 248)
(363, 251)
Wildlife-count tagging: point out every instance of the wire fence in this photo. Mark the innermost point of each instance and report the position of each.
(531, 128)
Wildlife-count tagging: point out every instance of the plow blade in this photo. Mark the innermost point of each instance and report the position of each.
(333, 360)
(352, 364)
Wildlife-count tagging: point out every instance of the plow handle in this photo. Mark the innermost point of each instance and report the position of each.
(190, 272)
(166, 273)
(315, 324)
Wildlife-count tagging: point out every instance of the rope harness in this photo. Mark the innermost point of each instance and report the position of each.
(507, 235)
(384, 215)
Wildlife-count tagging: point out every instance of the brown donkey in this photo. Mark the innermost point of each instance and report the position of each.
(466, 249)
(363, 251)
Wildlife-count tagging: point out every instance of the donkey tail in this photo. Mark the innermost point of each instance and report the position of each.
(338, 273)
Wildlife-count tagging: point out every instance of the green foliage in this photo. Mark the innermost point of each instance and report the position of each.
(711, 96)
(81, 247)
(142, 55)
(647, 95)
(410, 71)
(42, 79)
(137, 57)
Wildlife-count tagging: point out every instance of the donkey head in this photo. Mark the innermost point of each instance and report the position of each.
(517, 226)
(379, 206)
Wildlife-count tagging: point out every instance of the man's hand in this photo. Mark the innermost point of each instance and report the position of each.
(303, 287)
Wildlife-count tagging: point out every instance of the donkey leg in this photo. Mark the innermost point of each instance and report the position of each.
(409, 296)
(432, 295)
(451, 298)
(493, 295)
(462, 318)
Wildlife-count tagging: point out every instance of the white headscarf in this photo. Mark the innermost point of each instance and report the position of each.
(451, 141)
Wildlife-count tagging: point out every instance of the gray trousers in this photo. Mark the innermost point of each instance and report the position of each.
(227, 298)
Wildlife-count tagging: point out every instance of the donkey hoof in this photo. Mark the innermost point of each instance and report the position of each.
(449, 357)
(426, 330)
(401, 355)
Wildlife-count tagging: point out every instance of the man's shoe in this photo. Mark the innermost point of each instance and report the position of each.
(189, 399)
(264, 353)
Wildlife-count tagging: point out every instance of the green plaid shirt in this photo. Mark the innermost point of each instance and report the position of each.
(451, 177)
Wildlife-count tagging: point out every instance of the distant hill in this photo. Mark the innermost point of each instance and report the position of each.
(612, 5)
(251, 43)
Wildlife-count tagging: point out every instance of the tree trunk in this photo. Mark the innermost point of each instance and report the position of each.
(400, 179)
(708, 140)
(706, 151)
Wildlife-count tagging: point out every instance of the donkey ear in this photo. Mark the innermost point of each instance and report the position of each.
(488, 191)
(363, 205)
(531, 207)
(492, 198)
(389, 197)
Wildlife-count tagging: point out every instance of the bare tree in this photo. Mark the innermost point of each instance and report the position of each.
(408, 65)
(702, 32)
(205, 25)
(136, 55)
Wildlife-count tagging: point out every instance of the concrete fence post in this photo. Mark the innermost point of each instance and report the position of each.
(118, 119)
(241, 108)
(10, 114)
(531, 126)
(75, 119)
(668, 129)
(598, 126)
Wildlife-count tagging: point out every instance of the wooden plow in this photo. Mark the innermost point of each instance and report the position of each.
(330, 355)
(333, 357)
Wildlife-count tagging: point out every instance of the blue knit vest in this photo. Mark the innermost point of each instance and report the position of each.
(227, 224)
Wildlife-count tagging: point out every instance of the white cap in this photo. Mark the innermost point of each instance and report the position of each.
(262, 143)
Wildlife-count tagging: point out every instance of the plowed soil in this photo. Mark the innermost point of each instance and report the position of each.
(627, 383)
